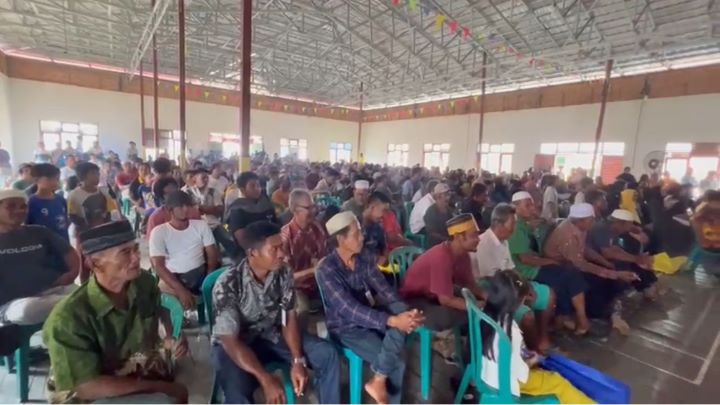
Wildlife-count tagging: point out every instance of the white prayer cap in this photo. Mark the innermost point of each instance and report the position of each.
(12, 193)
(623, 215)
(581, 210)
(521, 195)
(339, 222)
(362, 185)
(376, 175)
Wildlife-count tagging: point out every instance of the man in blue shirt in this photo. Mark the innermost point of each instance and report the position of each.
(347, 278)
(45, 207)
(373, 232)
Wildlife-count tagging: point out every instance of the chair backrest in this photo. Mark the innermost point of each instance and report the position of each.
(408, 210)
(401, 258)
(206, 289)
(475, 318)
(175, 308)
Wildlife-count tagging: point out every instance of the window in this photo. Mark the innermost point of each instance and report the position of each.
(436, 155)
(78, 134)
(294, 148)
(231, 146)
(168, 143)
(681, 156)
(571, 155)
(678, 147)
(496, 158)
(340, 152)
(397, 154)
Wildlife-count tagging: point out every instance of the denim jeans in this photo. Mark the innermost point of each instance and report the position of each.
(383, 352)
(238, 385)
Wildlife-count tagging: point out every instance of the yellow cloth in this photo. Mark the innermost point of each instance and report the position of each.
(543, 382)
(663, 263)
(628, 201)
(389, 268)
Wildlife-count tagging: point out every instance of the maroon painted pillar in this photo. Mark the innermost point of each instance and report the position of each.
(360, 122)
(142, 105)
(245, 77)
(156, 119)
(181, 64)
(603, 103)
(482, 113)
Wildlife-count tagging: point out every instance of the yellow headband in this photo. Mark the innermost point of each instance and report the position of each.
(462, 227)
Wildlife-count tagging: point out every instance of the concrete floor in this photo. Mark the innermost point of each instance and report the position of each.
(669, 357)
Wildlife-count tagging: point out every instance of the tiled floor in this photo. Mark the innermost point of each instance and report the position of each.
(670, 356)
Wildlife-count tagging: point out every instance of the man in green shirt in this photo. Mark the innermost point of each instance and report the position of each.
(568, 283)
(25, 180)
(103, 339)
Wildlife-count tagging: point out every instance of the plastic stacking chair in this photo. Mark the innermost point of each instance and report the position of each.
(473, 372)
(200, 301)
(21, 360)
(418, 239)
(177, 313)
(325, 201)
(402, 258)
(698, 255)
(355, 365)
(206, 290)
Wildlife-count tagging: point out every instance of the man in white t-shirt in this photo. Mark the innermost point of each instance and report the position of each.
(417, 215)
(217, 180)
(182, 251)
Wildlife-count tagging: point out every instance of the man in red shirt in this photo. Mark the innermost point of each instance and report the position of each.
(304, 243)
(432, 282)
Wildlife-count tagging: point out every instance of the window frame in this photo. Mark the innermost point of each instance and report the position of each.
(78, 130)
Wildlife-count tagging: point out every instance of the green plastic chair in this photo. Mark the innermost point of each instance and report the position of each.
(417, 239)
(177, 313)
(697, 255)
(401, 258)
(206, 289)
(325, 201)
(473, 372)
(355, 364)
(200, 301)
(21, 360)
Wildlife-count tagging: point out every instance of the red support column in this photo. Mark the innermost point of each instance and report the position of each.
(478, 151)
(181, 64)
(245, 77)
(360, 122)
(142, 105)
(603, 103)
(156, 119)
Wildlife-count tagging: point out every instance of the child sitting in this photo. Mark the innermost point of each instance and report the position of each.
(505, 294)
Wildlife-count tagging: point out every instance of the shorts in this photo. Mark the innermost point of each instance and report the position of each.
(541, 303)
(193, 279)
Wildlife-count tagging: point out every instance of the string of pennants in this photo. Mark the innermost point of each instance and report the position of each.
(269, 104)
(492, 41)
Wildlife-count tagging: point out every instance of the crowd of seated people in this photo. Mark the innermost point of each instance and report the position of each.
(293, 239)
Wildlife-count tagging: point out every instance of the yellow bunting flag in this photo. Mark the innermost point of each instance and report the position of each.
(439, 21)
(176, 88)
(286, 107)
(224, 98)
(206, 94)
(412, 5)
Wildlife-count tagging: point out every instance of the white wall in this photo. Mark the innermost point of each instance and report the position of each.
(118, 118)
(5, 138)
(677, 119)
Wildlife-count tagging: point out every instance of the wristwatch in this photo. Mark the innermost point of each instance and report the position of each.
(300, 360)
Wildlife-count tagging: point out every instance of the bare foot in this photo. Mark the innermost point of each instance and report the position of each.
(377, 389)
(569, 324)
(582, 328)
(620, 325)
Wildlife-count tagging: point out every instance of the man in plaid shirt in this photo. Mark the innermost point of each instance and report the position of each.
(347, 278)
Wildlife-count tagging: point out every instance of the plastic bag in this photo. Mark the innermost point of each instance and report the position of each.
(595, 384)
(662, 263)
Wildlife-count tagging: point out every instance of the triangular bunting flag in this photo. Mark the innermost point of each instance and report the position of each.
(439, 21)
(412, 5)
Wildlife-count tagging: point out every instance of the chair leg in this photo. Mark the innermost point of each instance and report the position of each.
(23, 368)
(694, 259)
(459, 348)
(355, 364)
(425, 362)
(464, 383)
(201, 313)
(289, 390)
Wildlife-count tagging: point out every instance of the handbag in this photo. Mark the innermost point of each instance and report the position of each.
(600, 387)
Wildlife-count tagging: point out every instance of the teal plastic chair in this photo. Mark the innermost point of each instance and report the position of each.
(200, 302)
(417, 239)
(206, 289)
(21, 360)
(473, 372)
(177, 313)
(698, 255)
(401, 258)
(325, 201)
(355, 365)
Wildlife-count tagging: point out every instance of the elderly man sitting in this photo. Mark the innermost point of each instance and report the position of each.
(605, 238)
(567, 283)
(38, 266)
(357, 203)
(256, 323)
(493, 255)
(437, 215)
(103, 339)
(304, 244)
(567, 244)
(351, 284)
